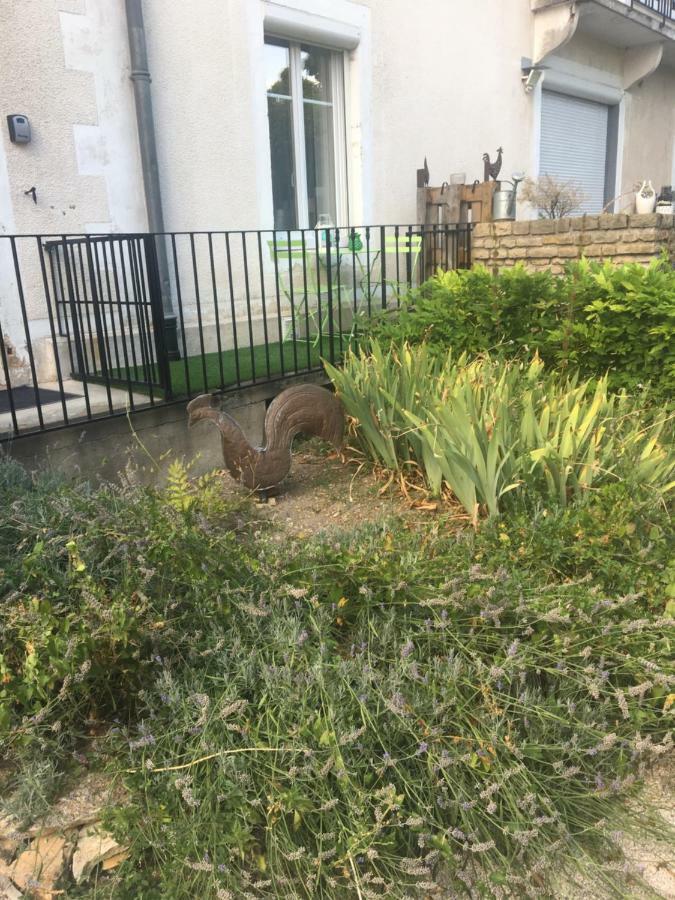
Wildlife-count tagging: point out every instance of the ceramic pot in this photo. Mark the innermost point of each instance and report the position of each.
(645, 198)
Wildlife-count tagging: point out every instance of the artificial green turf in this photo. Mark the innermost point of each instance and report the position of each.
(214, 371)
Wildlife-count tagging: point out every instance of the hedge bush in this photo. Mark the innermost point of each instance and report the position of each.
(596, 318)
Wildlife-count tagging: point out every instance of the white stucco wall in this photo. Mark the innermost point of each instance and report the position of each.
(439, 79)
(65, 65)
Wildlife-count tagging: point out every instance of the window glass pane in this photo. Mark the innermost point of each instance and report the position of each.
(320, 161)
(316, 74)
(283, 167)
(277, 78)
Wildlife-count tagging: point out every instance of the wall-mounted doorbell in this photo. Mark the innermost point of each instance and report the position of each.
(19, 129)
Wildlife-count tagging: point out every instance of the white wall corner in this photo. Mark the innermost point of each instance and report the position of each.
(554, 26)
(641, 62)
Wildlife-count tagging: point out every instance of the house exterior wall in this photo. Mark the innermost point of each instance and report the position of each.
(442, 83)
(440, 80)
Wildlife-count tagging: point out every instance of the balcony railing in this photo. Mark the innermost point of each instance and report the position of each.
(93, 326)
(664, 8)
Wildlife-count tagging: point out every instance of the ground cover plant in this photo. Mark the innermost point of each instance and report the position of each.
(491, 431)
(391, 712)
(597, 318)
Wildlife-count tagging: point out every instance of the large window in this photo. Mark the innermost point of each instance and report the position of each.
(305, 108)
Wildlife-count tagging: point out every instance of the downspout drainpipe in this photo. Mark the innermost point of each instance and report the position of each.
(140, 77)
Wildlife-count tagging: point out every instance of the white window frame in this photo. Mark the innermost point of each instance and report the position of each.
(337, 101)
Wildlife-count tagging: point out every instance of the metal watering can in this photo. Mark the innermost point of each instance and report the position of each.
(504, 201)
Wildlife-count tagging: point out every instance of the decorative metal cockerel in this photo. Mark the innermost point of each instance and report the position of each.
(492, 169)
(302, 409)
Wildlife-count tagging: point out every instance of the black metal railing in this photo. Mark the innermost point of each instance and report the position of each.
(663, 8)
(94, 325)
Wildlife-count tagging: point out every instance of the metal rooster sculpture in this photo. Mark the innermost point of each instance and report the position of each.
(492, 169)
(305, 408)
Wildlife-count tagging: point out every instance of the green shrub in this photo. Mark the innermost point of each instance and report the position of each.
(94, 584)
(598, 318)
(487, 428)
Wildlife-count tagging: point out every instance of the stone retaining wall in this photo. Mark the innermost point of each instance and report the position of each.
(550, 243)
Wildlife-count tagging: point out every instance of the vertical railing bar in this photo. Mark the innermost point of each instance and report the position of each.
(120, 314)
(78, 309)
(8, 381)
(149, 297)
(339, 284)
(264, 304)
(54, 266)
(54, 250)
(409, 258)
(383, 267)
(80, 344)
(140, 304)
(142, 319)
(247, 289)
(318, 290)
(292, 299)
(127, 302)
(86, 303)
(398, 268)
(100, 303)
(26, 328)
(355, 326)
(100, 338)
(179, 300)
(111, 310)
(48, 301)
(200, 325)
(233, 309)
(276, 283)
(370, 302)
(306, 296)
(157, 313)
(215, 311)
(329, 290)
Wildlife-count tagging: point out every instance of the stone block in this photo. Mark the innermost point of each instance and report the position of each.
(644, 220)
(521, 227)
(568, 252)
(585, 223)
(520, 253)
(482, 230)
(559, 239)
(637, 247)
(543, 226)
(531, 240)
(612, 220)
(502, 228)
(541, 252)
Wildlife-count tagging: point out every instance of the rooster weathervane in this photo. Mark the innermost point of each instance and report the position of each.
(492, 169)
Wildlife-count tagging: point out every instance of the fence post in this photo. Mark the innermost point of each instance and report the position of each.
(157, 311)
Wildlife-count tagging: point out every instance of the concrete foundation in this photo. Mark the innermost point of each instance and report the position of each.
(147, 441)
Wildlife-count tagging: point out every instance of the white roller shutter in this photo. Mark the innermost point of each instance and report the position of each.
(574, 144)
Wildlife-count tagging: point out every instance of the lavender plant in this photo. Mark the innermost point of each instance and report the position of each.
(393, 712)
(387, 718)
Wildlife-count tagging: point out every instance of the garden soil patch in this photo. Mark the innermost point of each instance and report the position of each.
(325, 492)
